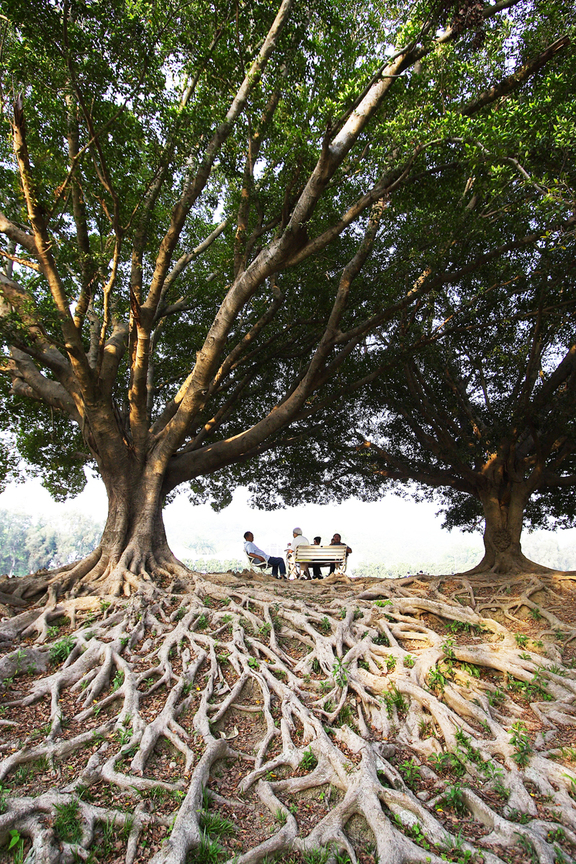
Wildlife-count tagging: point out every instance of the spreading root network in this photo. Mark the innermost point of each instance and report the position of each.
(236, 718)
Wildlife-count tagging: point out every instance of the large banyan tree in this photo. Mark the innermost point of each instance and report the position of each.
(203, 229)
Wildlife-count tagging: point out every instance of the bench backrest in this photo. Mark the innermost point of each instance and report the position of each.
(310, 554)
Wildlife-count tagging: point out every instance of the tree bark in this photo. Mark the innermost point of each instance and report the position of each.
(133, 547)
(503, 503)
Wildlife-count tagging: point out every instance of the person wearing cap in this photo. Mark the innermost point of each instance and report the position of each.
(299, 540)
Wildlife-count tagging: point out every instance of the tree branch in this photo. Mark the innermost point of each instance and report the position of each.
(512, 82)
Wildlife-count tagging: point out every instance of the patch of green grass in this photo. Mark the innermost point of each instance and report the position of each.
(316, 856)
(201, 622)
(61, 650)
(345, 717)
(501, 789)
(425, 728)
(521, 743)
(117, 681)
(448, 648)
(207, 852)
(526, 844)
(156, 793)
(459, 855)
(215, 825)
(454, 799)
(464, 627)
(467, 750)
(437, 680)
(415, 832)
(532, 690)
(517, 816)
(557, 670)
(382, 603)
(308, 761)
(521, 640)
(471, 669)
(23, 772)
(67, 826)
(394, 699)
(448, 762)
(496, 697)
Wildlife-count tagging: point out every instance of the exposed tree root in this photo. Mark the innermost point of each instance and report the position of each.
(402, 721)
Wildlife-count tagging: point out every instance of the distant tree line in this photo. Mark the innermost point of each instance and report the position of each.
(28, 544)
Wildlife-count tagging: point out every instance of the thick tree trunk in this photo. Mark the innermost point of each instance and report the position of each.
(133, 547)
(504, 505)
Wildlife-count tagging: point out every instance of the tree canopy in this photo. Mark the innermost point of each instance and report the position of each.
(220, 220)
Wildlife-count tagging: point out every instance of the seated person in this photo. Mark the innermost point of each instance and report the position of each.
(300, 540)
(258, 556)
(337, 541)
(317, 567)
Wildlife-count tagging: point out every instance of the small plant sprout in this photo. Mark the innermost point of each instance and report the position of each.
(410, 771)
(118, 681)
(454, 799)
(309, 760)
(61, 650)
(521, 743)
(340, 672)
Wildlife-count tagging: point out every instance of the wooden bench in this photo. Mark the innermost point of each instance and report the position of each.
(323, 555)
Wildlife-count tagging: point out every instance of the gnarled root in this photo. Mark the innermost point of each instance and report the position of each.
(378, 720)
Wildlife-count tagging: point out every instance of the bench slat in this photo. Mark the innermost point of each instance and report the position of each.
(311, 554)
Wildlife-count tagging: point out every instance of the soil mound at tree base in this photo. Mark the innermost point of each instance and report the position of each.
(232, 717)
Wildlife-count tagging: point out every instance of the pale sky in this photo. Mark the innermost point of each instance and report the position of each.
(390, 531)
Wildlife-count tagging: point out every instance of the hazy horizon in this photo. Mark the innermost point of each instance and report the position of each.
(393, 531)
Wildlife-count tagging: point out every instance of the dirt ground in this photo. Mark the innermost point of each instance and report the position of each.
(235, 820)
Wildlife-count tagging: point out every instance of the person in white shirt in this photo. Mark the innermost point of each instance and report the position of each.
(300, 540)
(257, 555)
